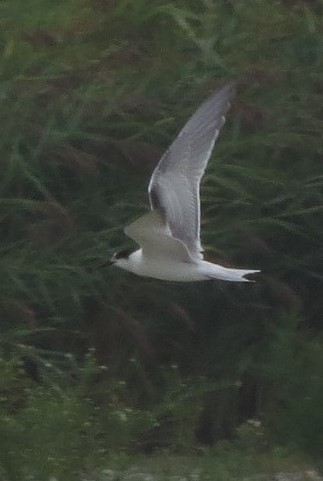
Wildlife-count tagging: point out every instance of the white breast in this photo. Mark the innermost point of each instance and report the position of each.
(164, 269)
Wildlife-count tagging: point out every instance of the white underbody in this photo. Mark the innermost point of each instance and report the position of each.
(170, 270)
(169, 234)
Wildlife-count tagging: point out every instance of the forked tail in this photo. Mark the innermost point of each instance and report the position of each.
(214, 271)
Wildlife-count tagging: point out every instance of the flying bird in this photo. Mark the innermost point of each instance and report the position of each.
(169, 235)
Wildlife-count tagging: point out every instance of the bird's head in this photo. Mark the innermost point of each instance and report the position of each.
(121, 258)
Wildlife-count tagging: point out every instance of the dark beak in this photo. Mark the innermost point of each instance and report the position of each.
(100, 265)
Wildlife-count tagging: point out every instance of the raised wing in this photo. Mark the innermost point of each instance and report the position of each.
(175, 183)
(156, 240)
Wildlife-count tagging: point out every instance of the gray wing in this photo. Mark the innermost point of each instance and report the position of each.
(175, 183)
(153, 235)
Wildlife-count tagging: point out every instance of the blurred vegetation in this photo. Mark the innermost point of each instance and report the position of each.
(95, 362)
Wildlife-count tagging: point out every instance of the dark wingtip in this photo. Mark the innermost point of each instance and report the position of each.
(252, 276)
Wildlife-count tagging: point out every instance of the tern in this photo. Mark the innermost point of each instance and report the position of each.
(169, 235)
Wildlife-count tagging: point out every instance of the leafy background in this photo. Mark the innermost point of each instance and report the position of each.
(95, 362)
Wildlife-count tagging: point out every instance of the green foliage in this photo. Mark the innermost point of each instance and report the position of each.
(60, 431)
(92, 92)
(297, 418)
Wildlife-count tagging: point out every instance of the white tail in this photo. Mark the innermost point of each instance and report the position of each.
(215, 271)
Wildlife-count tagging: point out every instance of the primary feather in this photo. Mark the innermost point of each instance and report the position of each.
(175, 183)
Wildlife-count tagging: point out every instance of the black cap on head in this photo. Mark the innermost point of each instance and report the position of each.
(123, 253)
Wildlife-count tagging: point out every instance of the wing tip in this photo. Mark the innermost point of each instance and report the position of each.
(228, 90)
